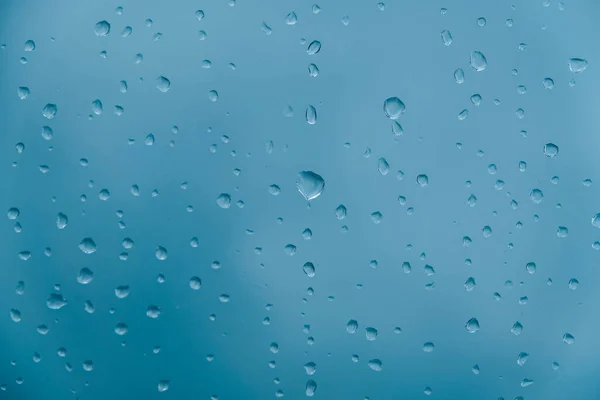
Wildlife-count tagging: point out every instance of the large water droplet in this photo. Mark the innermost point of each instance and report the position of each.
(314, 47)
(568, 338)
(161, 253)
(163, 84)
(478, 61)
(97, 107)
(517, 328)
(224, 200)
(309, 269)
(87, 245)
(375, 364)
(536, 196)
(577, 65)
(393, 108)
(49, 111)
(291, 18)
(472, 325)
(85, 276)
(310, 184)
(56, 301)
(311, 388)
(102, 28)
(352, 326)
(311, 115)
(446, 37)
(550, 150)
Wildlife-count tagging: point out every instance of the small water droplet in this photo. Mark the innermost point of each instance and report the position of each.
(446, 37)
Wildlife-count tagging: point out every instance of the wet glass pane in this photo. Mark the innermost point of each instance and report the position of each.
(260, 199)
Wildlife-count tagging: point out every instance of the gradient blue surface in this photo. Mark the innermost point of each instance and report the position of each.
(213, 345)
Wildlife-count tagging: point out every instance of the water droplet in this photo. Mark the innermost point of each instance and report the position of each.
(85, 276)
(352, 326)
(478, 61)
(536, 196)
(313, 48)
(517, 328)
(291, 18)
(104, 194)
(121, 328)
(596, 220)
(23, 92)
(224, 200)
(163, 84)
(89, 307)
(577, 65)
(548, 83)
(15, 315)
(97, 107)
(153, 311)
(88, 365)
(470, 284)
(422, 180)
(341, 212)
(311, 388)
(13, 213)
(459, 76)
(487, 231)
(310, 368)
(309, 269)
(573, 283)
(393, 108)
(375, 364)
(562, 232)
(481, 21)
(56, 301)
(195, 283)
(472, 325)
(531, 267)
(383, 167)
(274, 190)
(126, 31)
(476, 99)
(428, 347)
(213, 96)
(266, 28)
(550, 150)
(446, 37)
(102, 28)
(87, 245)
(313, 70)
(371, 333)
(463, 115)
(161, 253)
(49, 111)
(310, 184)
(311, 114)
(522, 358)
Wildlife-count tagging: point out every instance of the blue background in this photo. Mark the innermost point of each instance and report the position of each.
(379, 54)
